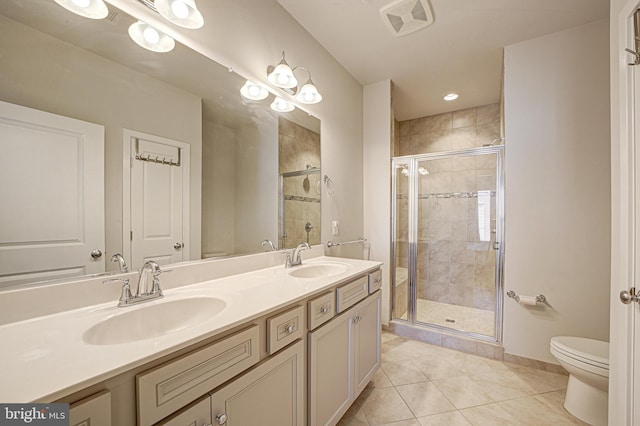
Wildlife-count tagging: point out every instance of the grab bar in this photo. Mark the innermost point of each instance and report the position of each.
(359, 240)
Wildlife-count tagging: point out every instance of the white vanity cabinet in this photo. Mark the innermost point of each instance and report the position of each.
(94, 410)
(344, 354)
(198, 414)
(271, 394)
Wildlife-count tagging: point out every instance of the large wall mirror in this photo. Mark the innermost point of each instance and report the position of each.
(248, 174)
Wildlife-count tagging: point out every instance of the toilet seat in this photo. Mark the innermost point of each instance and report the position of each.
(593, 355)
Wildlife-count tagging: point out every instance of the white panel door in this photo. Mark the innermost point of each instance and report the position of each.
(159, 196)
(52, 192)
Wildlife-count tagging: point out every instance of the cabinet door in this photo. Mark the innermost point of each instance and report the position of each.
(366, 341)
(198, 414)
(330, 375)
(92, 411)
(270, 394)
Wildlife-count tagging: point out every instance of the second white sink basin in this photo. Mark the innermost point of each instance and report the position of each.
(149, 321)
(318, 270)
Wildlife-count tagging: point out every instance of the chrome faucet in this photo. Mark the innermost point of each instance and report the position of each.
(144, 292)
(117, 258)
(293, 258)
(268, 243)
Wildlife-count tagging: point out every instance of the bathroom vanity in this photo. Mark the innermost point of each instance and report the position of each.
(274, 346)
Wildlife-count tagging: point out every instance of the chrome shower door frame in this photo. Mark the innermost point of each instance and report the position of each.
(411, 162)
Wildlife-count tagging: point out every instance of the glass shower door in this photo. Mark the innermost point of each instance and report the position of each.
(453, 233)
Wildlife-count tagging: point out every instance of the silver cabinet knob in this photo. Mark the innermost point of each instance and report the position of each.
(178, 246)
(627, 297)
(289, 329)
(357, 319)
(221, 418)
(324, 310)
(96, 254)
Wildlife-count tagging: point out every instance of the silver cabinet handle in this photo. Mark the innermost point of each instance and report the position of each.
(357, 319)
(324, 310)
(96, 254)
(221, 418)
(628, 296)
(289, 329)
(178, 246)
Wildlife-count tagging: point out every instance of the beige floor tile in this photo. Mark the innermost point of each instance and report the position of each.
(555, 402)
(353, 417)
(535, 411)
(539, 381)
(452, 418)
(424, 399)
(463, 391)
(385, 406)
(489, 415)
(412, 422)
(403, 372)
(380, 380)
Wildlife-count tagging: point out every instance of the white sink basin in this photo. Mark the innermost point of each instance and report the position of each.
(149, 321)
(318, 270)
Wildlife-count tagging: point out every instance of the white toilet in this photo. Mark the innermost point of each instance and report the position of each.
(587, 362)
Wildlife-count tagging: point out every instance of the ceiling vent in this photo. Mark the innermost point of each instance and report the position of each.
(404, 17)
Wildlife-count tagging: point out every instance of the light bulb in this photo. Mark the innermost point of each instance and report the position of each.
(151, 35)
(252, 91)
(81, 3)
(180, 9)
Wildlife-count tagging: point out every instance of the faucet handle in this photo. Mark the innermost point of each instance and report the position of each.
(125, 296)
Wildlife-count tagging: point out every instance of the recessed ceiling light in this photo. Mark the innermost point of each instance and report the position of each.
(450, 96)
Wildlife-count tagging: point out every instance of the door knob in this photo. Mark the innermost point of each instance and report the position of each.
(96, 254)
(628, 296)
(178, 246)
(221, 418)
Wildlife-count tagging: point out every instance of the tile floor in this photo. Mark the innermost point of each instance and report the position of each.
(466, 319)
(422, 384)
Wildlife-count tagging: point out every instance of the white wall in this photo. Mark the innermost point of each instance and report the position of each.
(377, 153)
(249, 35)
(557, 188)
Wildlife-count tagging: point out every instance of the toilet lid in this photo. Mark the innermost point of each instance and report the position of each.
(590, 351)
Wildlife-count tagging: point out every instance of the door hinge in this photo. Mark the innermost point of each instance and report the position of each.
(130, 235)
(496, 245)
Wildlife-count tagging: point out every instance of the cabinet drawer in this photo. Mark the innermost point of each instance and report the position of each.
(350, 294)
(375, 281)
(321, 309)
(93, 410)
(284, 328)
(169, 387)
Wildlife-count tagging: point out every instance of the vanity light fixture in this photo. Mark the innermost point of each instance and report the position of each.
(183, 13)
(93, 9)
(253, 91)
(282, 105)
(282, 76)
(308, 93)
(450, 97)
(150, 38)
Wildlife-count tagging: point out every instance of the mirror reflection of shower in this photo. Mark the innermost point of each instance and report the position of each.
(300, 185)
(300, 207)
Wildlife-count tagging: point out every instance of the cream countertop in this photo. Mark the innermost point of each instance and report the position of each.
(45, 358)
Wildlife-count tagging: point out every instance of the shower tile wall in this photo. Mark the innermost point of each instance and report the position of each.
(299, 149)
(467, 128)
(455, 265)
